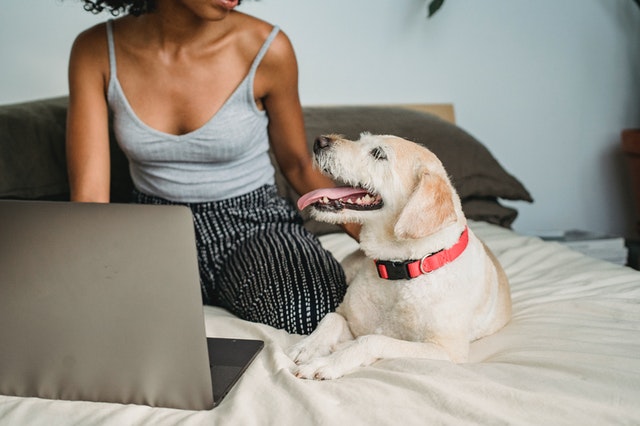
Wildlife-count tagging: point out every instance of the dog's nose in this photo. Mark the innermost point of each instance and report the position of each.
(322, 143)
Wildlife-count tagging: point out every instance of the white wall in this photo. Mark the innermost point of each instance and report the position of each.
(546, 85)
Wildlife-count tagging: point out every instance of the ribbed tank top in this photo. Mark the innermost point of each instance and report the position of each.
(226, 157)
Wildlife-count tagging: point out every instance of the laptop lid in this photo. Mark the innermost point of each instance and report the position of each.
(101, 302)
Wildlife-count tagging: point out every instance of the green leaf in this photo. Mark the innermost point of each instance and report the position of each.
(436, 4)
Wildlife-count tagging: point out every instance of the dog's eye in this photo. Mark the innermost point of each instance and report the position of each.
(378, 153)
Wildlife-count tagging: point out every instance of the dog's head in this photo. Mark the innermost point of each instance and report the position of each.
(390, 182)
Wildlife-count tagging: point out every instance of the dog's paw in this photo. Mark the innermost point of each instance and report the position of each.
(319, 369)
(351, 356)
(306, 350)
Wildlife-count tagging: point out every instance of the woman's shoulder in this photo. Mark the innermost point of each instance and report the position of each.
(248, 22)
(90, 46)
(92, 35)
(255, 33)
(255, 30)
(97, 34)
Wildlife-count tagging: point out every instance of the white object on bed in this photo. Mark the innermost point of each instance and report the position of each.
(570, 355)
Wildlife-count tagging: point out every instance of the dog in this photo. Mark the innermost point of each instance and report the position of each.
(422, 285)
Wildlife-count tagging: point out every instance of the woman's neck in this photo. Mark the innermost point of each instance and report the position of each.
(173, 26)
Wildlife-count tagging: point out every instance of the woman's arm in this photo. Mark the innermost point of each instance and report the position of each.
(286, 122)
(87, 139)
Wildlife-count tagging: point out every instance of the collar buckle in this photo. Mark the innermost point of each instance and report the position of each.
(390, 270)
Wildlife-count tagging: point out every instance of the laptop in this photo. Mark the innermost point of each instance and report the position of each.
(101, 302)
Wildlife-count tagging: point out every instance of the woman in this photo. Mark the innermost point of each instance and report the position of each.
(198, 92)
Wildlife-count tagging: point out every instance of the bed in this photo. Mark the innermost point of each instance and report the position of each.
(570, 355)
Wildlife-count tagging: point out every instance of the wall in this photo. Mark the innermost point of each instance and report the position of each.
(546, 85)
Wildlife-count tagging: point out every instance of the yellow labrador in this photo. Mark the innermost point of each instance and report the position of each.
(427, 286)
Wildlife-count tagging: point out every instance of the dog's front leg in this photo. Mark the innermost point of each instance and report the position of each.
(366, 350)
(331, 330)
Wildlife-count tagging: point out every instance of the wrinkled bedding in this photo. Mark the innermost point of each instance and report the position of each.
(570, 355)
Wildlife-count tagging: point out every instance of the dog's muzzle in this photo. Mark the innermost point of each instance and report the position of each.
(340, 198)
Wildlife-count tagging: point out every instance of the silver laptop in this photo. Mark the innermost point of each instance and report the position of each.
(101, 302)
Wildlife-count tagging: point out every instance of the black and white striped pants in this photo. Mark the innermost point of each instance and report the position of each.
(259, 262)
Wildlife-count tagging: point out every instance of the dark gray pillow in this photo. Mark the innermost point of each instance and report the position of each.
(32, 153)
(474, 171)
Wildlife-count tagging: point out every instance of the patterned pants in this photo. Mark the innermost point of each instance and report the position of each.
(259, 262)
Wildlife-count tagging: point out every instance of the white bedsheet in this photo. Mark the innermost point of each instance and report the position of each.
(570, 355)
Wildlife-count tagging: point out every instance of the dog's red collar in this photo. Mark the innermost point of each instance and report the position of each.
(408, 269)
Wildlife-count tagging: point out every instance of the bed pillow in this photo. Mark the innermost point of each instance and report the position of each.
(476, 174)
(32, 153)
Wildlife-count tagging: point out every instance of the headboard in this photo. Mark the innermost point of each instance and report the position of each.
(443, 111)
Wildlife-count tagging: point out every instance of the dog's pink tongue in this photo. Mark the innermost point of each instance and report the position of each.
(330, 193)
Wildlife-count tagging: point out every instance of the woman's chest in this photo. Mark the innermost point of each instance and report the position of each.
(180, 95)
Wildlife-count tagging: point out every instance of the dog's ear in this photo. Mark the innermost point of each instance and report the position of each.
(429, 209)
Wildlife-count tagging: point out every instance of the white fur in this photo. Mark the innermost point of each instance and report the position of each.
(432, 316)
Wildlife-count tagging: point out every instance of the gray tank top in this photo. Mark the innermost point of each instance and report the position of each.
(226, 157)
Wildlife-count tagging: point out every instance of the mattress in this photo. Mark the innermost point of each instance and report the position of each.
(570, 355)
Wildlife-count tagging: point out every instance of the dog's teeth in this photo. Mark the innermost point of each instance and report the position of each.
(325, 200)
(367, 199)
